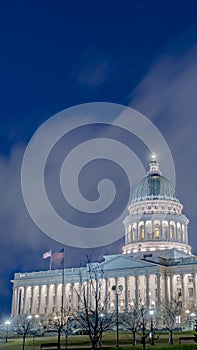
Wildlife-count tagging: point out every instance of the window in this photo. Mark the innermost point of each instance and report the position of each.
(190, 292)
(156, 229)
(190, 279)
(134, 232)
(178, 319)
(165, 229)
(183, 232)
(149, 230)
(141, 230)
(179, 231)
(172, 230)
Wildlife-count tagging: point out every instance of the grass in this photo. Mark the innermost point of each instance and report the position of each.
(109, 340)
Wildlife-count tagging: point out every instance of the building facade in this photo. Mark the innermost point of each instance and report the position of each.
(156, 265)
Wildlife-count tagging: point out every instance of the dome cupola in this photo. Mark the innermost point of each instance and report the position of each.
(154, 186)
(155, 219)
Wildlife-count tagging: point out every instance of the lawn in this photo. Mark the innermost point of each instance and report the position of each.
(109, 341)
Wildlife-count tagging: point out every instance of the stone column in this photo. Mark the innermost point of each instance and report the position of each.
(56, 298)
(147, 291)
(24, 299)
(87, 292)
(166, 297)
(145, 233)
(47, 298)
(72, 294)
(33, 295)
(106, 301)
(171, 288)
(39, 299)
(63, 296)
(97, 287)
(136, 289)
(137, 232)
(158, 289)
(126, 293)
(14, 301)
(28, 299)
(194, 285)
(183, 288)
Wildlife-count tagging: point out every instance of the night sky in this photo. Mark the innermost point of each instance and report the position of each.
(57, 54)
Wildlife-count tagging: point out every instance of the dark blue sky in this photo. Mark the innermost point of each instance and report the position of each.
(56, 54)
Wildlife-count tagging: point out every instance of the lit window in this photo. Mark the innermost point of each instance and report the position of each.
(178, 319)
(141, 230)
(156, 229)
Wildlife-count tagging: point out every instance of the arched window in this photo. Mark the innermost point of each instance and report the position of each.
(141, 230)
(165, 229)
(157, 234)
(179, 231)
(149, 230)
(172, 230)
(134, 232)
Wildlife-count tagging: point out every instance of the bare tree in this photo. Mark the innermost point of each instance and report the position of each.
(24, 325)
(92, 314)
(169, 312)
(58, 324)
(132, 322)
(139, 321)
(144, 329)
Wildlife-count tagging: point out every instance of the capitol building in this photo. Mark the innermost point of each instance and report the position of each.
(156, 264)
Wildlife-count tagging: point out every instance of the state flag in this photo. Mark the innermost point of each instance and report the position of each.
(58, 258)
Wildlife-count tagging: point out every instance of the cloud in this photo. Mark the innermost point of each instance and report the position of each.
(167, 95)
(20, 238)
(93, 69)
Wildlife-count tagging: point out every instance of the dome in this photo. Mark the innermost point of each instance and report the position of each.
(154, 186)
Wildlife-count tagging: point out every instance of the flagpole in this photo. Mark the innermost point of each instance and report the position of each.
(62, 306)
(50, 263)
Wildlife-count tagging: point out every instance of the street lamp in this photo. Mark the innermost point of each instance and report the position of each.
(7, 323)
(117, 291)
(151, 327)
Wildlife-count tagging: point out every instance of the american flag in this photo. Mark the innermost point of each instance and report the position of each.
(47, 254)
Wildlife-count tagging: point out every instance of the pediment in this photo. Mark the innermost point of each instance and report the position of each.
(116, 262)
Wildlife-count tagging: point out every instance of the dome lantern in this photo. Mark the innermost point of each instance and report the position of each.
(154, 165)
